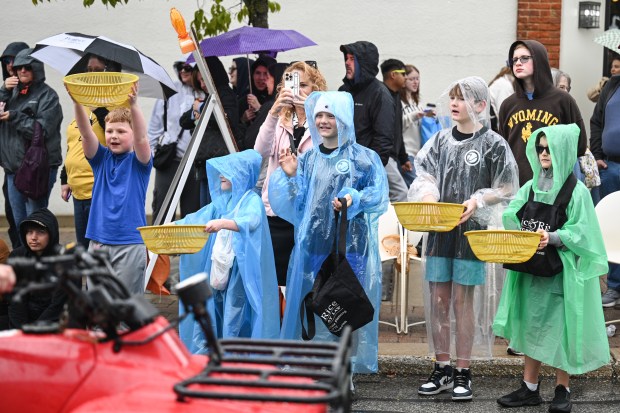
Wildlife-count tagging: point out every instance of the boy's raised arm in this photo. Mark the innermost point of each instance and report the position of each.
(90, 143)
(140, 140)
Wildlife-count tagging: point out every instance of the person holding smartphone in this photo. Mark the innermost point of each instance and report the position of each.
(286, 127)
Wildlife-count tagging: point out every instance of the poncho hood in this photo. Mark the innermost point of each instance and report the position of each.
(340, 104)
(562, 141)
(241, 169)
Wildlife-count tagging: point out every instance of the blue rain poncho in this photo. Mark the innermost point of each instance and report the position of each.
(305, 200)
(249, 305)
(558, 320)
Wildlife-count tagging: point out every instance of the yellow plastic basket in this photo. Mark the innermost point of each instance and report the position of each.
(100, 89)
(507, 247)
(174, 239)
(428, 216)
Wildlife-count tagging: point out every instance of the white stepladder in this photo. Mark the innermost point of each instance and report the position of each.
(213, 106)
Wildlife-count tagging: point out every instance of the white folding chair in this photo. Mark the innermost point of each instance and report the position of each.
(388, 225)
(606, 212)
(408, 238)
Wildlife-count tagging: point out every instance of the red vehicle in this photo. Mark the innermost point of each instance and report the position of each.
(133, 361)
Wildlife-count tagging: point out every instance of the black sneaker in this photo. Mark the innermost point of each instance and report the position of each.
(462, 385)
(439, 380)
(512, 352)
(561, 402)
(521, 397)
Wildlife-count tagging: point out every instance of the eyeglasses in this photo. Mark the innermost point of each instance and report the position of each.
(308, 62)
(522, 59)
(7, 60)
(186, 68)
(27, 68)
(401, 71)
(540, 149)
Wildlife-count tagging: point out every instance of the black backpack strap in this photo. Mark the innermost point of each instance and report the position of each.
(342, 228)
(566, 192)
(305, 312)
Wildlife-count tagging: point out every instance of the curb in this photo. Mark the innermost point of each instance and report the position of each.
(497, 366)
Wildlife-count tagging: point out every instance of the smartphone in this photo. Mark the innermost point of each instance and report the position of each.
(291, 81)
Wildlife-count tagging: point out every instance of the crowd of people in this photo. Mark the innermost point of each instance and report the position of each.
(513, 152)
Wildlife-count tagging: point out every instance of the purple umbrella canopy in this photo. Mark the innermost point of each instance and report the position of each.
(248, 39)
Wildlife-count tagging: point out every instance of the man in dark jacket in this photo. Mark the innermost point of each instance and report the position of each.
(374, 109)
(605, 146)
(394, 72)
(30, 100)
(8, 57)
(39, 235)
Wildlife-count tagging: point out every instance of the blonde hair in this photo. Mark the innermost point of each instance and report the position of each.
(119, 115)
(313, 75)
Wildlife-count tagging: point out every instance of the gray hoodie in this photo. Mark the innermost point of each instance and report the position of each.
(27, 104)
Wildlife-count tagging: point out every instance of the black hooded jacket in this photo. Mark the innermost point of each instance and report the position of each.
(243, 76)
(11, 50)
(519, 116)
(27, 104)
(45, 305)
(374, 107)
(597, 121)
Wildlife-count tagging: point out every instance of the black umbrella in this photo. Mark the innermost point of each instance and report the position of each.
(65, 52)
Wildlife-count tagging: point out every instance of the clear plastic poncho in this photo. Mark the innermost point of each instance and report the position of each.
(558, 320)
(459, 313)
(249, 305)
(305, 200)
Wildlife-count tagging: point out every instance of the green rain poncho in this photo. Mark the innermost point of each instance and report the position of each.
(558, 320)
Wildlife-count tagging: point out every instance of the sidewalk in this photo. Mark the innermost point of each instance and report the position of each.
(408, 353)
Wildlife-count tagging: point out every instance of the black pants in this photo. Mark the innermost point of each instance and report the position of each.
(283, 240)
(190, 197)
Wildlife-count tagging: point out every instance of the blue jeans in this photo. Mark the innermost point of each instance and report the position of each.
(81, 211)
(610, 178)
(610, 182)
(23, 206)
(409, 176)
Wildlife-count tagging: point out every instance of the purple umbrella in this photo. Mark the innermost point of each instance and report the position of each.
(248, 39)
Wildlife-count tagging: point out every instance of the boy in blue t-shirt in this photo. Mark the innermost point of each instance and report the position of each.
(121, 172)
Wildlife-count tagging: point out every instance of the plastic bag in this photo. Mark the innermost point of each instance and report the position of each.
(429, 125)
(222, 258)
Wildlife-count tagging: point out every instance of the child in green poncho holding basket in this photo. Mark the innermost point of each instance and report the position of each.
(550, 308)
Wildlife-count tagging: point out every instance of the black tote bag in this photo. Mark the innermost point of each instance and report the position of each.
(337, 296)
